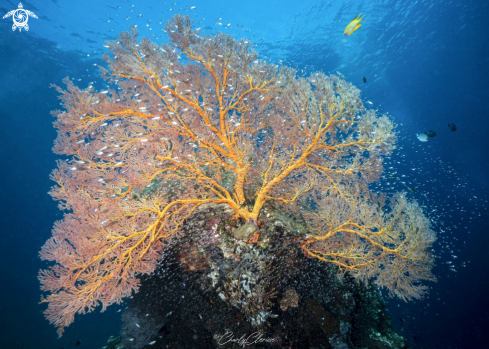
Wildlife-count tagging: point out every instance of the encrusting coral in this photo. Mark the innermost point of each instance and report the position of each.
(202, 120)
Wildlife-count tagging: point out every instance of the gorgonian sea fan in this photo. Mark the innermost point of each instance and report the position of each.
(202, 120)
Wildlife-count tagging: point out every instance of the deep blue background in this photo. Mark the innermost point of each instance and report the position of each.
(426, 63)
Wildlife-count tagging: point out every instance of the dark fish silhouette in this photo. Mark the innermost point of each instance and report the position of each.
(452, 126)
(78, 342)
(364, 80)
(413, 189)
(430, 133)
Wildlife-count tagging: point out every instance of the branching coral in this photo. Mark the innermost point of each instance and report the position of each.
(202, 120)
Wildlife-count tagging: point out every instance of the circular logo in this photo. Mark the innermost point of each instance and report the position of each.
(20, 17)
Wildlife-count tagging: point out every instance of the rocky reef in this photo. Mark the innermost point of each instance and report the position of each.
(213, 289)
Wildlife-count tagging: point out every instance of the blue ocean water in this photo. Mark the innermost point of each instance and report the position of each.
(425, 63)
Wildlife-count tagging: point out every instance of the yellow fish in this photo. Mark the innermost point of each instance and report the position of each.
(353, 25)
